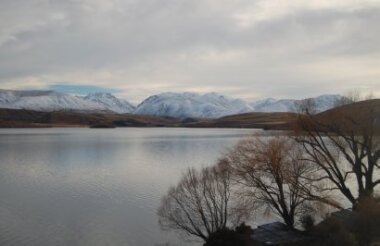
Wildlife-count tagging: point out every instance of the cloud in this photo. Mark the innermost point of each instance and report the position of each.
(244, 48)
(80, 89)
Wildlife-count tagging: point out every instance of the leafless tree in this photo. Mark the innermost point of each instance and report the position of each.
(306, 106)
(353, 96)
(343, 144)
(200, 204)
(273, 173)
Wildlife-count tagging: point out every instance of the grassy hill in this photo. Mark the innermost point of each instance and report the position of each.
(359, 114)
(249, 120)
(355, 118)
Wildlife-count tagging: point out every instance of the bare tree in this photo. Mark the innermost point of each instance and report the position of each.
(273, 172)
(353, 96)
(306, 106)
(342, 143)
(200, 204)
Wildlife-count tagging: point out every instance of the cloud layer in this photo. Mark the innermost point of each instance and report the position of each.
(243, 48)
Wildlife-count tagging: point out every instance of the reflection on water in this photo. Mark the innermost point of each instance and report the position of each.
(96, 186)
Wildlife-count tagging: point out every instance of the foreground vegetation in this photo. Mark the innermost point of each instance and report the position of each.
(296, 177)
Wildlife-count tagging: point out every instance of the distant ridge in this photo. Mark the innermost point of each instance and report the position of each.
(169, 104)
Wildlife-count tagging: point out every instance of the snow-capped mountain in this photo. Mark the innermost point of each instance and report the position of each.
(273, 105)
(321, 103)
(184, 105)
(213, 105)
(325, 102)
(52, 101)
(178, 105)
(110, 102)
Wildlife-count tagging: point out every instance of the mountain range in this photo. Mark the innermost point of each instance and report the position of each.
(169, 104)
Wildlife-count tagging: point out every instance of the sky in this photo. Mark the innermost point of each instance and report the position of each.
(241, 48)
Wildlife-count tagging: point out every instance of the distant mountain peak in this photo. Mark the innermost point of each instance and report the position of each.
(191, 105)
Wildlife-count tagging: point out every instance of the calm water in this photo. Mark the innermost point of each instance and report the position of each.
(96, 186)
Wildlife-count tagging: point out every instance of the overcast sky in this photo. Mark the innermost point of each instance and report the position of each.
(241, 48)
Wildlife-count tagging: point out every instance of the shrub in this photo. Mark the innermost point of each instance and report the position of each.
(226, 237)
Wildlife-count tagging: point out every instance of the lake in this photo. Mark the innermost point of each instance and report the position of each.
(67, 186)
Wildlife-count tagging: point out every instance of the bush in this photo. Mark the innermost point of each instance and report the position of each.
(332, 232)
(226, 237)
(366, 223)
(307, 222)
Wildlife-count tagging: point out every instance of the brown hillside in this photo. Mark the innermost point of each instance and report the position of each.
(355, 117)
(29, 118)
(249, 120)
